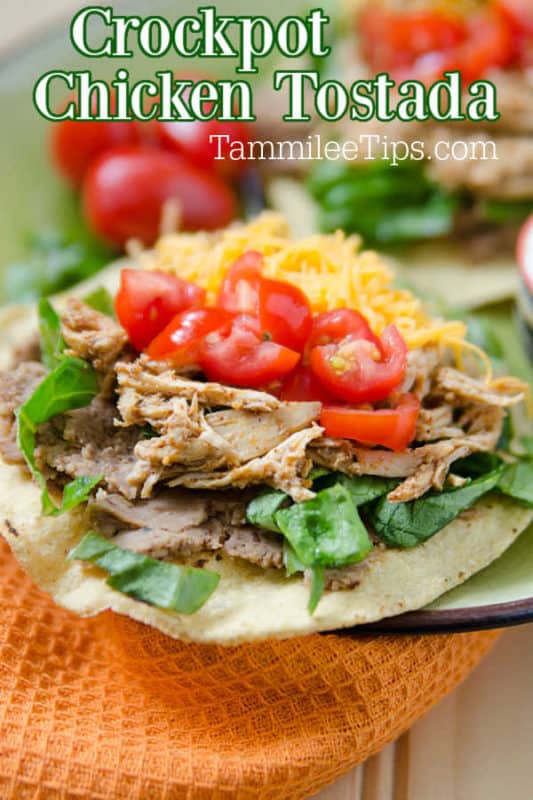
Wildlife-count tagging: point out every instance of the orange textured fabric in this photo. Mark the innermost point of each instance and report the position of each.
(106, 709)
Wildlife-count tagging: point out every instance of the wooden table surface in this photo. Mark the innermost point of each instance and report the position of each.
(475, 745)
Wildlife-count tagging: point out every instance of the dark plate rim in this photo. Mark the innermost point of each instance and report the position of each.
(453, 620)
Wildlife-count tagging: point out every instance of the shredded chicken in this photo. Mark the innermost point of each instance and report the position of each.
(436, 423)
(457, 386)
(156, 382)
(92, 336)
(421, 363)
(285, 467)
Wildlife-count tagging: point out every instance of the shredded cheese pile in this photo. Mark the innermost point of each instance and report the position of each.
(331, 270)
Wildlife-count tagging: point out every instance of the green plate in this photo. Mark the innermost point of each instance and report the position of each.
(34, 198)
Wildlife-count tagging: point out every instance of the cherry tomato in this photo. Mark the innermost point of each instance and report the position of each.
(236, 355)
(180, 342)
(125, 190)
(488, 43)
(331, 327)
(74, 145)
(357, 371)
(284, 313)
(195, 141)
(147, 301)
(239, 290)
(302, 385)
(394, 428)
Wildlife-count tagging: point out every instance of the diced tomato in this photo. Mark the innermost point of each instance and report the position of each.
(147, 301)
(282, 310)
(332, 327)
(302, 385)
(394, 428)
(125, 191)
(284, 313)
(237, 355)
(392, 38)
(357, 370)
(425, 44)
(239, 290)
(181, 341)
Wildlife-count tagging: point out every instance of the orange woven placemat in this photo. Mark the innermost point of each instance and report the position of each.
(106, 708)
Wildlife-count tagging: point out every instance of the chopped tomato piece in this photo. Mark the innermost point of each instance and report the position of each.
(302, 385)
(237, 355)
(147, 301)
(181, 341)
(284, 313)
(393, 428)
(239, 290)
(283, 310)
(332, 327)
(357, 370)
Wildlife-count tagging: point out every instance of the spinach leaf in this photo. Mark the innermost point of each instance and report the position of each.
(158, 583)
(517, 482)
(100, 299)
(52, 342)
(72, 384)
(477, 464)
(409, 524)
(366, 488)
(55, 260)
(326, 530)
(262, 509)
(318, 582)
(291, 561)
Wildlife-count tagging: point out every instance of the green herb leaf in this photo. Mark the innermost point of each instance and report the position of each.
(100, 299)
(74, 494)
(290, 560)
(262, 509)
(409, 524)
(158, 583)
(517, 482)
(52, 342)
(326, 530)
(72, 384)
(318, 582)
(366, 488)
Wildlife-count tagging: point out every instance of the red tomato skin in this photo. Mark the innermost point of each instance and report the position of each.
(75, 145)
(238, 356)
(239, 290)
(301, 385)
(147, 301)
(194, 141)
(393, 428)
(364, 380)
(331, 327)
(180, 342)
(125, 190)
(284, 313)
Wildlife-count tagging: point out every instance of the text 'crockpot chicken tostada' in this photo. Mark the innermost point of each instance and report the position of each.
(268, 439)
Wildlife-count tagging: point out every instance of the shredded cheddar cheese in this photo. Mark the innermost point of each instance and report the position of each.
(330, 269)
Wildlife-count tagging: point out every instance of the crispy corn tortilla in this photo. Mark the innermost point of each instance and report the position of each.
(249, 603)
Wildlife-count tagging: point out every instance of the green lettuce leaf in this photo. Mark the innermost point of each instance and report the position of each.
(326, 530)
(100, 299)
(52, 342)
(262, 509)
(72, 384)
(158, 583)
(517, 482)
(409, 524)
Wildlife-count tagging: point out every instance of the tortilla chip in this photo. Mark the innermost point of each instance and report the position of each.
(249, 603)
